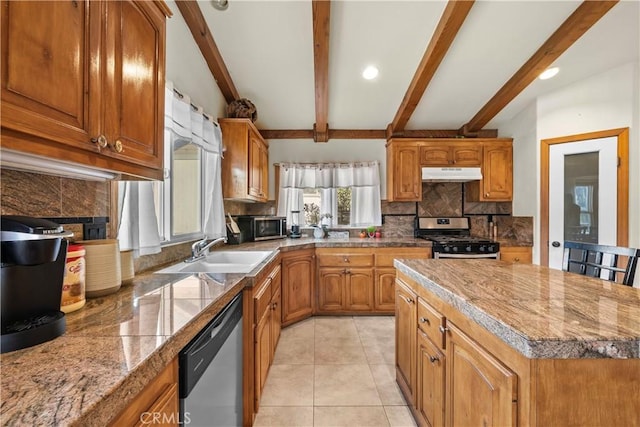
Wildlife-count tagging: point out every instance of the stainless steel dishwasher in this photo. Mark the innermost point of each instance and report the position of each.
(211, 372)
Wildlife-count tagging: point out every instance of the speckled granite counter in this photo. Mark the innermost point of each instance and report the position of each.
(116, 344)
(540, 312)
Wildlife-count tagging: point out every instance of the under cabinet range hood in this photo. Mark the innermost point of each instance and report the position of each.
(451, 174)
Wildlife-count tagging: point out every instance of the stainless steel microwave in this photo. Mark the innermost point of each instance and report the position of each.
(256, 228)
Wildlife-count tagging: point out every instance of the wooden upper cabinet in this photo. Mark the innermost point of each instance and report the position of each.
(77, 75)
(136, 83)
(245, 166)
(404, 183)
(497, 174)
(453, 153)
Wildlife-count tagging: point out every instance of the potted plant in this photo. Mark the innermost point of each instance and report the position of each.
(371, 230)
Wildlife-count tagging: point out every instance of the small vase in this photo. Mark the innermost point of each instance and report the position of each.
(372, 234)
(318, 233)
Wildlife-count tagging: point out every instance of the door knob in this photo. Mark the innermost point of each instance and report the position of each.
(555, 244)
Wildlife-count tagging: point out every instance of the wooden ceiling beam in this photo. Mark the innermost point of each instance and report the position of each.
(369, 133)
(321, 28)
(580, 21)
(450, 23)
(204, 39)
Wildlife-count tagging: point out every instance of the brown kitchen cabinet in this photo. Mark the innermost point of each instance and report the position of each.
(496, 184)
(345, 280)
(385, 275)
(298, 274)
(92, 94)
(516, 254)
(157, 401)
(245, 166)
(430, 382)
(406, 350)
(451, 153)
(266, 303)
(476, 379)
(404, 180)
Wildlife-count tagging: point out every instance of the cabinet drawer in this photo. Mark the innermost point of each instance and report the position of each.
(430, 321)
(262, 298)
(516, 254)
(345, 260)
(384, 258)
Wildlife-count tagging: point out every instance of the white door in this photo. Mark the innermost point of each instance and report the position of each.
(582, 194)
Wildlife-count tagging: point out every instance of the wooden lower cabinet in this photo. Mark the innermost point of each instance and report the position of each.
(516, 254)
(157, 404)
(343, 290)
(406, 314)
(384, 298)
(430, 382)
(331, 290)
(298, 273)
(481, 391)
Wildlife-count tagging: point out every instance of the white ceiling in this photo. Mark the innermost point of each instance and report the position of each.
(268, 48)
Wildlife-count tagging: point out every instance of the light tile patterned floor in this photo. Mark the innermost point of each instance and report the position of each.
(334, 371)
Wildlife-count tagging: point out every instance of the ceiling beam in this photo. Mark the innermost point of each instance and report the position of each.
(204, 39)
(321, 28)
(583, 18)
(369, 133)
(450, 22)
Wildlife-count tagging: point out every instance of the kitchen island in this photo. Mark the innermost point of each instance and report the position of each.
(492, 343)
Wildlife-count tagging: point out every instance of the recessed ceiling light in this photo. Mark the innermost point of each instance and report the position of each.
(370, 73)
(548, 73)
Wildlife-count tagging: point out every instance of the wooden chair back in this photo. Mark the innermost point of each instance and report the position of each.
(613, 263)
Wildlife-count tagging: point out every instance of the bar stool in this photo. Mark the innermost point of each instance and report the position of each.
(601, 261)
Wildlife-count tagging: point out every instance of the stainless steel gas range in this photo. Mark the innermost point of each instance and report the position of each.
(451, 238)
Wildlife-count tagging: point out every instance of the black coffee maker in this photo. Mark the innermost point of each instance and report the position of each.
(33, 256)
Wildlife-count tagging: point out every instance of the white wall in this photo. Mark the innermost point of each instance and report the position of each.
(605, 101)
(187, 69)
(336, 150)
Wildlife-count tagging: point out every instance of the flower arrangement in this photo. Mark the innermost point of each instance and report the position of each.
(311, 213)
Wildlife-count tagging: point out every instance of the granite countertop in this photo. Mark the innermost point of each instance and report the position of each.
(116, 344)
(540, 312)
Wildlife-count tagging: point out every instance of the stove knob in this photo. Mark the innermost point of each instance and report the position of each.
(455, 249)
(492, 248)
(446, 249)
(481, 248)
(468, 248)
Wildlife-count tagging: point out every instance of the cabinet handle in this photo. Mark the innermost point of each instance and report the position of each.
(274, 306)
(486, 194)
(407, 299)
(117, 147)
(433, 359)
(516, 259)
(345, 259)
(100, 141)
(442, 329)
(424, 320)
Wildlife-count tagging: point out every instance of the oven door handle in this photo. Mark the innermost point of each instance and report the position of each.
(439, 255)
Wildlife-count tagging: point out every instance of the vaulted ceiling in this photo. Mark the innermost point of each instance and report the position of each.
(447, 68)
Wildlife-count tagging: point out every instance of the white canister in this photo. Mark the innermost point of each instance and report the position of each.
(103, 274)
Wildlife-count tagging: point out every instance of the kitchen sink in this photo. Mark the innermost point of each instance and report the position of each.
(221, 262)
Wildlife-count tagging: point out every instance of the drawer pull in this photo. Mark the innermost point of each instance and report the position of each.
(100, 141)
(433, 359)
(516, 259)
(424, 320)
(274, 306)
(442, 329)
(345, 259)
(407, 299)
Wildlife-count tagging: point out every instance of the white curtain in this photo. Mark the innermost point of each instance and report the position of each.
(362, 177)
(138, 228)
(214, 221)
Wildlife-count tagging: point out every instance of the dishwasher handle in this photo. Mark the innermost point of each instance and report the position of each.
(198, 354)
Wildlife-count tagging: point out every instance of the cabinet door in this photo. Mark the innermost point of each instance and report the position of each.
(297, 287)
(262, 359)
(134, 84)
(430, 382)
(406, 340)
(435, 155)
(406, 174)
(467, 154)
(359, 289)
(497, 172)
(258, 166)
(49, 83)
(480, 389)
(384, 290)
(331, 287)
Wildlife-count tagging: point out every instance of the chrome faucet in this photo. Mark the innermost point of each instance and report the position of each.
(200, 248)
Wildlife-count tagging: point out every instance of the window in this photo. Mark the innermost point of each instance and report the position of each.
(332, 194)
